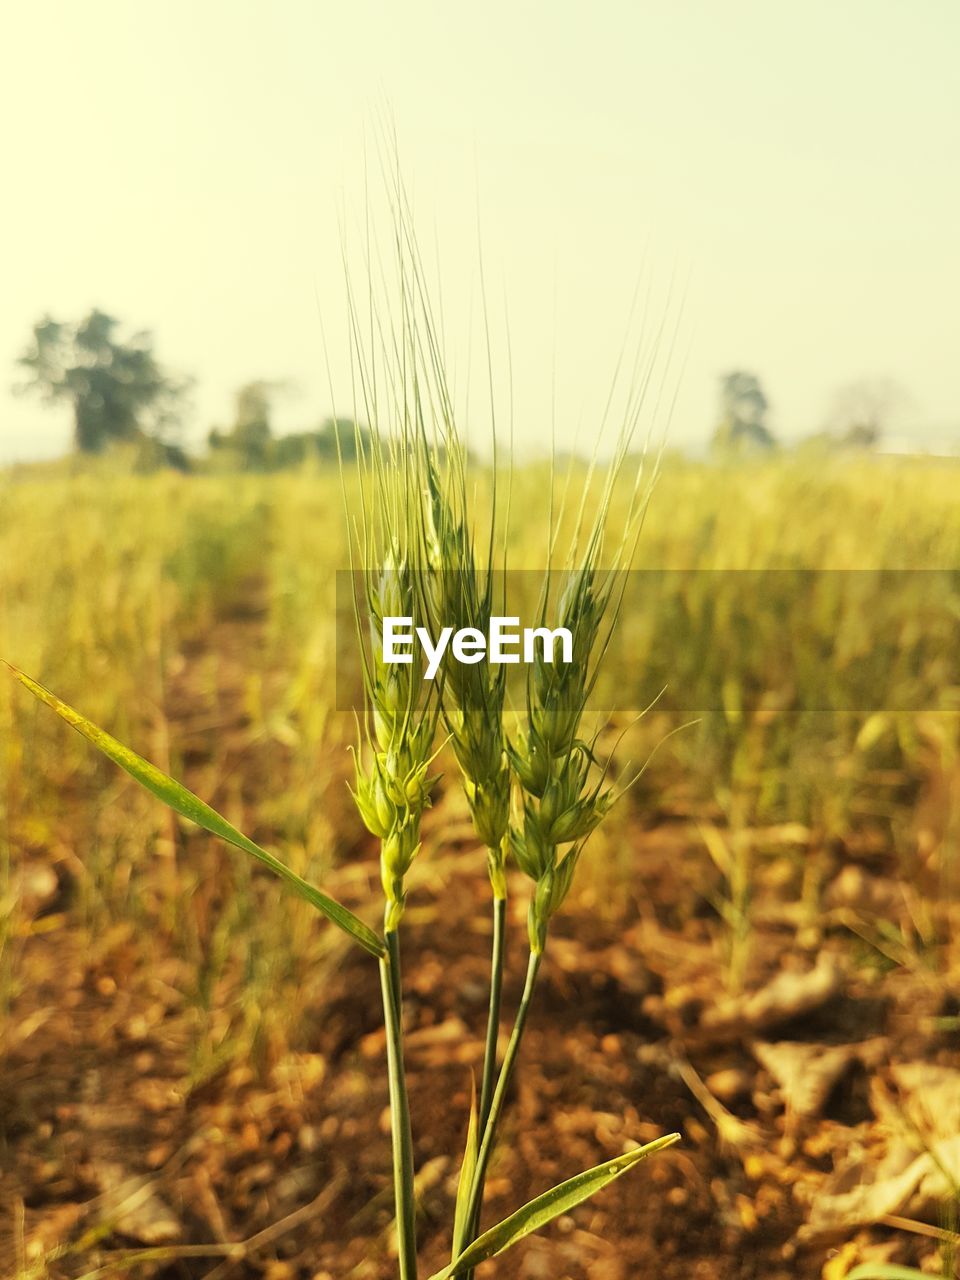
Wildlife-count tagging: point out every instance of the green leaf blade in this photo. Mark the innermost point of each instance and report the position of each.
(552, 1204)
(886, 1271)
(190, 806)
(465, 1182)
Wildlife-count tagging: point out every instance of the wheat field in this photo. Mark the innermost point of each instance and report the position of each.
(162, 1000)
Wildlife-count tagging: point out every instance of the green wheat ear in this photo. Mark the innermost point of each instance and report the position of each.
(188, 805)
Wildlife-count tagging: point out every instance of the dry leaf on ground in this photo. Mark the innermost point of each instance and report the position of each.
(805, 1073)
(786, 996)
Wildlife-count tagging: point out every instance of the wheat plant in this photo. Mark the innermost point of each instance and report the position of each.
(441, 558)
(419, 550)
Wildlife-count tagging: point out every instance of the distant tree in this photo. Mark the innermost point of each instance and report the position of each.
(351, 437)
(250, 444)
(862, 410)
(294, 449)
(249, 440)
(116, 388)
(252, 429)
(741, 426)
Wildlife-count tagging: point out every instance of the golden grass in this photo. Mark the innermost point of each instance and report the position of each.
(193, 617)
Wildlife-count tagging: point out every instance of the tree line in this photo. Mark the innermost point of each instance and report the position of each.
(119, 393)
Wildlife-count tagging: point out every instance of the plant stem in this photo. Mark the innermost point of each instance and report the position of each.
(401, 1137)
(493, 1017)
(490, 1052)
(496, 1104)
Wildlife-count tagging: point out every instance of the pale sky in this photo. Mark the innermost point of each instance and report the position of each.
(182, 166)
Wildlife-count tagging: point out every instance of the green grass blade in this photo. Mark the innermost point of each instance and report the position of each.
(886, 1271)
(190, 806)
(552, 1204)
(460, 1220)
